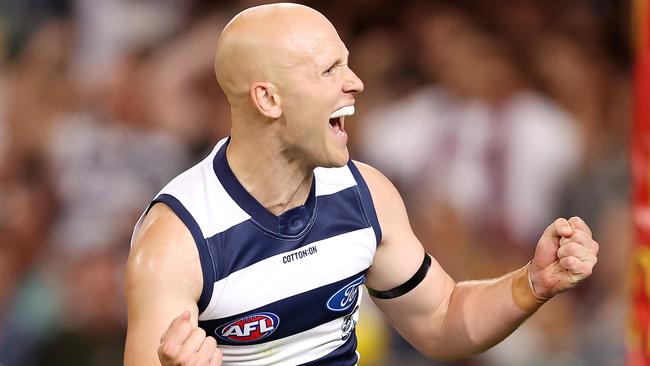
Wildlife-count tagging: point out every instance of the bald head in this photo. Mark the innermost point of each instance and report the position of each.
(263, 43)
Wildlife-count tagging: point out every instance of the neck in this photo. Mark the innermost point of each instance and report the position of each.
(275, 181)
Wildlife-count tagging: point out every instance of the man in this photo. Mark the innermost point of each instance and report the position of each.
(263, 244)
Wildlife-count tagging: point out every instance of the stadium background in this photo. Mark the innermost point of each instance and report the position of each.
(491, 117)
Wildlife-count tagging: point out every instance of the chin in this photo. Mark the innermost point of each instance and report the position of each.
(337, 159)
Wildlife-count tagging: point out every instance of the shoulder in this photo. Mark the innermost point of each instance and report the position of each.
(400, 253)
(383, 192)
(163, 279)
(164, 253)
(389, 206)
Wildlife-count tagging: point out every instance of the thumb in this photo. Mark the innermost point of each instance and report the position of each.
(566, 239)
(558, 229)
(185, 315)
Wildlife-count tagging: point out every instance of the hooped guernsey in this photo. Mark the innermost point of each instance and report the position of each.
(278, 290)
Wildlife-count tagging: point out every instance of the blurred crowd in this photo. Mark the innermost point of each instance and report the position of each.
(492, 118)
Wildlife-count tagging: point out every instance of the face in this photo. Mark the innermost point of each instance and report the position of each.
(319, 82)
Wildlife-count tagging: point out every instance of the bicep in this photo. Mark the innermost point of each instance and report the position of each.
(398, 257)
(163, 279)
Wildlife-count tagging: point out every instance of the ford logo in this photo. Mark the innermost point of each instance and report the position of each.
(344, 298)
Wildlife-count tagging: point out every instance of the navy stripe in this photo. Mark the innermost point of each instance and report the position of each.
(243, 244)
(366, 199)
(296, 313)
(345, 355)
(248, 203)
(204, 254)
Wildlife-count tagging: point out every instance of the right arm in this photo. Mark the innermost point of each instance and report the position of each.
(163, 284)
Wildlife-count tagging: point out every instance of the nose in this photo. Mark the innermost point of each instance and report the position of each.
(352, 83)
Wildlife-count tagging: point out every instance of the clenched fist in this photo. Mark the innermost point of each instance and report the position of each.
(182, 344)
(565, 255)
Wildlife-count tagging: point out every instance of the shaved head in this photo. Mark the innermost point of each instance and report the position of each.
(285, 71)
(263, 43)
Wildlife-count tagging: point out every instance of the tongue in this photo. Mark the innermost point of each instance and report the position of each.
(335, 125)
(345, 111)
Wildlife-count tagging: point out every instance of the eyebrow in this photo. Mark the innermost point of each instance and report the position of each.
(339, 61)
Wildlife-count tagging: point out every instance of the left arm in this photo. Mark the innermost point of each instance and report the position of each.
(444, 319)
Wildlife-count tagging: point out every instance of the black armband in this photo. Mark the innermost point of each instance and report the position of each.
(406, 286)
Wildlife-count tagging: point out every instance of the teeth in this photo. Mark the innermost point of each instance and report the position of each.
(345, 111)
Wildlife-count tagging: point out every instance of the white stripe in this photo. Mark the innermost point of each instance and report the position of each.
(203, 195)
(271, 279)
(296, 349)
(332, 180)
(199, 190)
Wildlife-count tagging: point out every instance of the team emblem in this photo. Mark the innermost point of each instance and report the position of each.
(249, 328)
(344, 298)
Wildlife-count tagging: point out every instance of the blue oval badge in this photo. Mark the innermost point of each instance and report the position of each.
(249, 328)
(344, 298)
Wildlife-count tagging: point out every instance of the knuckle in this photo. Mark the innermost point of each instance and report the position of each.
(572, 248)
(568, 250)
(596, 246)
(199, 332)
(211, 342)
(568, 262)
(184, 359)
(185, 326)
(161, 355)
(166, 350)
(579, 235)
(217, 352)
(180, 328)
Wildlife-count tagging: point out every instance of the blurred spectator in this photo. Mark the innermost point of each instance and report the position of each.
(379, 57)
(39, 90)
(4, 135)
(185, 99)
(480, 141)
(26, 215)
(19, 20)
(106, 162)
(93, 333)
(110, 28)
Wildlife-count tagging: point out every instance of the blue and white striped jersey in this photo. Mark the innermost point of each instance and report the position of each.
(278, 290)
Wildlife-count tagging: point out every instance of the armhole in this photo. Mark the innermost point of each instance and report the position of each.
(366, 200)
(201, 244)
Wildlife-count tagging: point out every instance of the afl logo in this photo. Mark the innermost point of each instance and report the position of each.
(249, 328)
(344, 298)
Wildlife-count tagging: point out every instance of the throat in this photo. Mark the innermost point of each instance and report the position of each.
(277, 198)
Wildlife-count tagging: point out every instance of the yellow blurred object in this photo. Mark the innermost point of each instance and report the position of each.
(372, 335)
(639, 24)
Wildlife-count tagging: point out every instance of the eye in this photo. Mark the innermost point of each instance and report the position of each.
(330, 70)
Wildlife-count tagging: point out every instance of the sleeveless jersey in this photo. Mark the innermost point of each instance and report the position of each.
(278, 290)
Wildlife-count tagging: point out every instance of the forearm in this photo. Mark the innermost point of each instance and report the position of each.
(480, 314)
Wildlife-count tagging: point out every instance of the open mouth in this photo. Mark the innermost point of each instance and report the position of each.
(337, 119)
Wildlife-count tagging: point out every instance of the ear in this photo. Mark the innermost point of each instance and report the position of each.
(265, 97)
